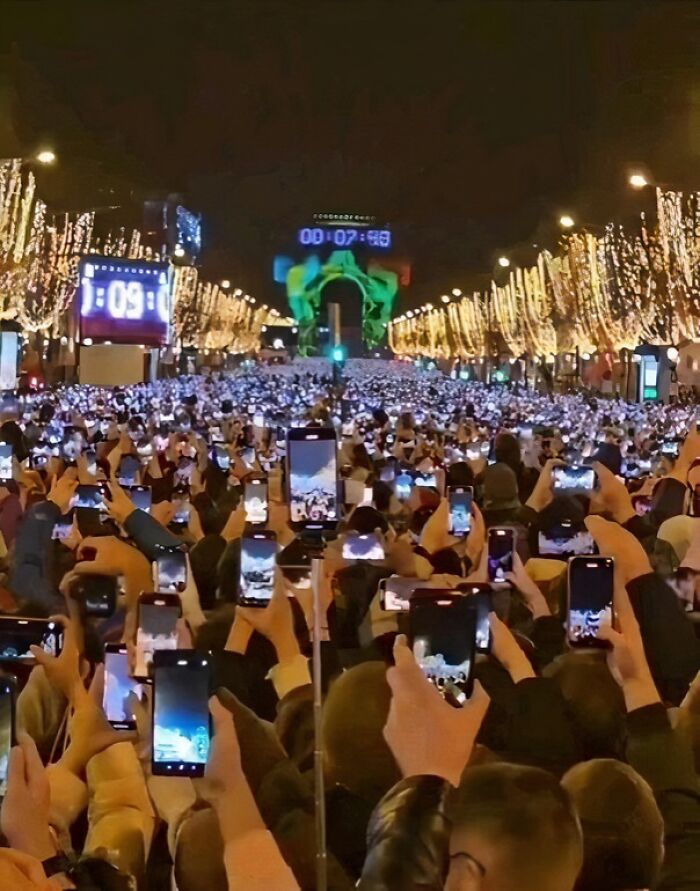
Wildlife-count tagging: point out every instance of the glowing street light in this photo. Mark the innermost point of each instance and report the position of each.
(566, 221)
(445, 298)
(638, 181)
(503, 262)
(46, 156)
(456, 292)
(225, 284)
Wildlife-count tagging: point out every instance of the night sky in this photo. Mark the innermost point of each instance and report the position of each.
(468, 126)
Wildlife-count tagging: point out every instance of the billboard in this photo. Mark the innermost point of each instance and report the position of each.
(124, 301)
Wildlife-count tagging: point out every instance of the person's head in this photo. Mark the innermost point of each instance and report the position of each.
(507, 450)
(594, 703)
(623, 829)
(500, 488)
(354, 715)
(514, 829)
(366, 519)
(460, 474)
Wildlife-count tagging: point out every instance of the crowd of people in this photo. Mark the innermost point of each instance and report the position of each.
(540, 765)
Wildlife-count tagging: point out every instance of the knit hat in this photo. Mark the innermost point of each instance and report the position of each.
(500, 488)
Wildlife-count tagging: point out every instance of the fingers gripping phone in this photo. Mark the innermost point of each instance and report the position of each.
(256, 503)
(501, 546)
(181, 722)
(156, 630)
(443, 637)
(591, 585)
(258, 558)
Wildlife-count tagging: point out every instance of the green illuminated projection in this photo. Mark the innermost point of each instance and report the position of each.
(306, 281)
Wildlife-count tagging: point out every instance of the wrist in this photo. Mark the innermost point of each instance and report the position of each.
(42, 846)
(640, 692)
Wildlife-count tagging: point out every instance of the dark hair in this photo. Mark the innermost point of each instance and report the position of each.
(622, 826)
(381, 494)
(366, 519)
(460, 474)
(529, 815)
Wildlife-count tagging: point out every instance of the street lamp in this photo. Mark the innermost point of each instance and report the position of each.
(445, 298)
(503, 262)
(566, 221)
(638, 181)
(456, 292)
(225, 284)
(46, 156)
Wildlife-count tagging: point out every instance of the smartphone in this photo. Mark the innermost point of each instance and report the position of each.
(129, 467)
(591, 584)
(480, 599)
(91, 462)
(670, 448)
(255, 500)
(565, 539)
(156, 630)
(17, 634)
(460, 499)
(312, 477)
(247, 456)
(258, 558)
(170, 572)
(442, 632)
(388, 473)
(367, 497)
(181, 517)
(363, 547)
(118, 685)
(97, 593)
(88, 497)
(501, 545)
(403, 483)
(8, 732)
(63, 526)
(574, 479)
(395, 592)
(221, 457)
(141, 496)
(5, 461)
(181, 723)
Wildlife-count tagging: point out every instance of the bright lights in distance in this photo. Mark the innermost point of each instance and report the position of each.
(672, 354)
(638, 181)
(225, 284)
(46, 156)
(566, 221)
(179, 250)
(445, 298)
(503, 262)
(456, 292)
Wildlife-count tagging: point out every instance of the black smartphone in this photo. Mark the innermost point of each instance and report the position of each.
(312, 477)
(501, 545)
(403, 484)
(565, 539)
(670, 448)
(442, 631)
(481, 601)
(97, 593)
(8, 727)
(63, 525)
(255, 500)
(181, 722)
(363, 547)
(156, 630)
(573, 479)
(18, 634)
(170, 571)
(141, 496)
(221, 457)
(460, 500)
(128, 472)
(591, 585)
(181, 500)
(5, 461)
(88, 497)
(258, 558)
(118, 685)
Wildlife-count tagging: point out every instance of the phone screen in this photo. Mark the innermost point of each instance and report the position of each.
(88, 497)
(591, 581)
(5, 461)
(443, 636)
(62, 527)
(182, 508)
(313, 486)
(118, 685)
(461, 510)
(500, 559)
(17, 635)
(7, 727)
(171, 572)
(573, 479)
(403, 485)
(396, 593)
(141, 496)
(363, 547)
(481, 601)
(258, 556)
(156, 631)
(129, 467)
(181, 726)
(98, 594)
(565, 539)
(255, 499)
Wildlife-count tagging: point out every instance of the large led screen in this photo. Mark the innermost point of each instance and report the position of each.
(125, 301)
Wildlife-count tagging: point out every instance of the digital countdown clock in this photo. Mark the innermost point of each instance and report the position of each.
(124, 301)
(344, 237)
